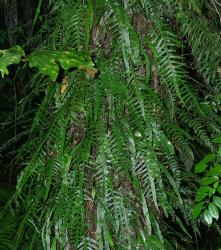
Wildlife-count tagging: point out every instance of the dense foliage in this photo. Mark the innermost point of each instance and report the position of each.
(105, 158)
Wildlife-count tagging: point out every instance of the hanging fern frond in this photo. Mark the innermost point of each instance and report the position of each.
(205, 44)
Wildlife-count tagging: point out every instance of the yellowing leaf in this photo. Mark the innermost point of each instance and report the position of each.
(64, 85)
(74, 59)
(91, 72)
(45, 62)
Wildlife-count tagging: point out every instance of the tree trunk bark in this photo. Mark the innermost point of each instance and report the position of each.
(11, 19)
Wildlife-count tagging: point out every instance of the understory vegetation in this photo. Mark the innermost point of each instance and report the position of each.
(110, 126)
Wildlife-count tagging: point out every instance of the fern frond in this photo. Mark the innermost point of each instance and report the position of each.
(205, 44)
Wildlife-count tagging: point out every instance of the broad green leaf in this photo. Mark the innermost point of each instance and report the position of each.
(216, 184)
(207, 216)
(215, 171)
(47, 61)
(197, 210)
(208, 180)
(8, 57)
(217, 201)
(201, 196)
(202, 192)
(202, 165)
(72, 59)
(219, 189)
(212, 192)
(213, 210)
(44, 61)
(217, 140)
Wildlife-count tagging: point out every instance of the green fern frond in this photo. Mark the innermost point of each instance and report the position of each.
(205, 44)
(196, 125)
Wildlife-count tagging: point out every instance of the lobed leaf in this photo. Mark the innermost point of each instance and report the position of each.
(47, 61)
(10, 56)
